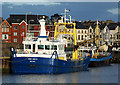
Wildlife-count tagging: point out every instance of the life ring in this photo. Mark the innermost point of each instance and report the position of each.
(26, 51)
(88, 54)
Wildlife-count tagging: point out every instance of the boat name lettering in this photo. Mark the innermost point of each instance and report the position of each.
(32, 59)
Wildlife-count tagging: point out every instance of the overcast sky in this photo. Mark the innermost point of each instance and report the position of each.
(91, 10)
(59, 0)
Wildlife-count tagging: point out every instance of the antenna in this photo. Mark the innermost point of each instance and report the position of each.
(70, 18)
(66, 14)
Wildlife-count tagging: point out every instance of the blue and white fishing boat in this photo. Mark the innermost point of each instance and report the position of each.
(100, 54)
(41, 55)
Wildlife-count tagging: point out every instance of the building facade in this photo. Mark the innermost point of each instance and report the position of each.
(17, 27)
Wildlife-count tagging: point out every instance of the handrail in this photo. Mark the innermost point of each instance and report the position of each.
(55, 53)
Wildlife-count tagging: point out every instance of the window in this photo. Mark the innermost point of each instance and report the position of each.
(52, 34)
(100, 36)
(47, 47)
(78, 37)
(82, 31)
(23, 33)
(90, 36)
(5, 23)
(7, 29)
(31, 27)
(2, 29)
(31, 34)
(78, 31)
(15, 33)
(90, 30)
(4, 36)
(15, 40)
(53, 47)
(85, 31)
(111, 43)
(27, 46)
(111, 37)
(41, 47)
(72, 31)
(82, 37)
(23, 26)
(60, 30)
(48, 27)
(117, 36)
(15, 27)
(61, 47)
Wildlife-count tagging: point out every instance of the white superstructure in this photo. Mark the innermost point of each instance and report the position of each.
(42, 47)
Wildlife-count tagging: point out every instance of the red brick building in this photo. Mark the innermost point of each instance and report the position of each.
(15, 28)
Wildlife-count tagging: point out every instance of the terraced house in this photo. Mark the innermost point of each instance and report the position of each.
(17, 27)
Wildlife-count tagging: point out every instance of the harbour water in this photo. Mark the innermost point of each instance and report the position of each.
(106, 74)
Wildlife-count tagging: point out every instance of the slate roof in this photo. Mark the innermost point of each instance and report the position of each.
(16, 18)
(112, 26)
(80, 25)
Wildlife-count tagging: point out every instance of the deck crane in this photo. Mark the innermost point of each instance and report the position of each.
(65, 31)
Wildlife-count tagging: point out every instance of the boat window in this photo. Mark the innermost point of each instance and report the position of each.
(27, 46)
(47, 47)
(60, 47)
(53, 47)
(40, 46)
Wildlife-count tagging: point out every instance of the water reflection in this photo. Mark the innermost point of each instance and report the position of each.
(108, 74)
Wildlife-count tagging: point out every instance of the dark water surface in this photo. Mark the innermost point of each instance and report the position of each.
(107, 74)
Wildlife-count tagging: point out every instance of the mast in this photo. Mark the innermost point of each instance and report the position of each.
(75, 52)
(97, 35)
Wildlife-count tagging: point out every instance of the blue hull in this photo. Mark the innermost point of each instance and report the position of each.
(28, 65)
(101, 59)
(104, 61)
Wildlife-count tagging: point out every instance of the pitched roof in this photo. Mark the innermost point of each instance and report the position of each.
(80, 25)
(16, 18)
(112, 26)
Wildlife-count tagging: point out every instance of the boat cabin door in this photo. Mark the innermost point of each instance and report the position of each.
(33, 47)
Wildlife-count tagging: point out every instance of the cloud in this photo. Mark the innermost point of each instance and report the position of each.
(113, 10)
(59, 0)
(10, 7)
(32, 3)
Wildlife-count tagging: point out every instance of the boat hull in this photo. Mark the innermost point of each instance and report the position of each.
(104, 61)
(40, 65)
